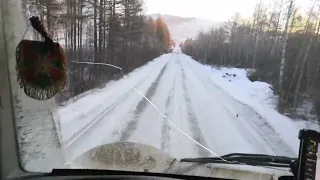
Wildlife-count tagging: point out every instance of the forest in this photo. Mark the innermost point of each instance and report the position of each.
(279, 44)
(114, 32)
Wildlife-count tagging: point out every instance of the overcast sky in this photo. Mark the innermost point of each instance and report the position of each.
(214, 10)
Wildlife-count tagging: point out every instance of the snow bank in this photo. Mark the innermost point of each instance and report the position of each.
(235, 81)
(260, 97)
(302, 124)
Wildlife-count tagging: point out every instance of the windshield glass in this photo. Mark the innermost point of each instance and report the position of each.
(189, 78)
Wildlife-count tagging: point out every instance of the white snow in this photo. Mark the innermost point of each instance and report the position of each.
(227, 114)
(74, 117)
(88, 112)
(260, 96)
(235, 81)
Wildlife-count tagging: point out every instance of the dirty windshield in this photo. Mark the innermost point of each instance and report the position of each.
(172, 79)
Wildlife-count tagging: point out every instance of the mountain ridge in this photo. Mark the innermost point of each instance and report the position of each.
(182, 28)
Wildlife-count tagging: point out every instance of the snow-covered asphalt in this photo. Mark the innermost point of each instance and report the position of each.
(185, 93)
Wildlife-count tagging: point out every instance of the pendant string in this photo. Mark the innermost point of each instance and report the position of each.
(24, 34)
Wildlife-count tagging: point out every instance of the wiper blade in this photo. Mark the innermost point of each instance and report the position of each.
(248, 159)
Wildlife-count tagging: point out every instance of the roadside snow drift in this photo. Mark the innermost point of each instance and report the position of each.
(236, 82)
(260, 96)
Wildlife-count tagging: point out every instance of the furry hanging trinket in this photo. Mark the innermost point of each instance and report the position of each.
(40, 66)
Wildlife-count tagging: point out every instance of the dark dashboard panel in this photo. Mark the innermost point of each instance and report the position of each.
(107, 177)
(67, 174)
(286, 178)
(106, 174)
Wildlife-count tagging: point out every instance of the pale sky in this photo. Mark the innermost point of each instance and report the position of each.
(214, 10)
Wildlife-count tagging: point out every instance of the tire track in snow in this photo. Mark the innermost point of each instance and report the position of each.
(99, 117)
(109, 109)
(259, 125)
(269, 135)
(132, 125)
(110, 128)
(165, 130)
(194, 126)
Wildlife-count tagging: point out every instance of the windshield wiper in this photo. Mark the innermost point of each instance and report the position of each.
(248, 159)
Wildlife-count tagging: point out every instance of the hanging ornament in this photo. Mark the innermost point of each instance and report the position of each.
(41, 66)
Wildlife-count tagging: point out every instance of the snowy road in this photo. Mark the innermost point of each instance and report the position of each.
(183, 91)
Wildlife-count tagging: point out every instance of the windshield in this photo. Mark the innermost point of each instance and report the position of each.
(189, 78)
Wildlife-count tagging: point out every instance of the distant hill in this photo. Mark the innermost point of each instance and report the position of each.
(182, 28)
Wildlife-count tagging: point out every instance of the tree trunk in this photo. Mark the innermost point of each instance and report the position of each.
(283, 58)
(80, 28)
(305, 57)
(255, 53)
(74, 23)
(95, 36)
(101, 20)
(304, 61)
(295, 73)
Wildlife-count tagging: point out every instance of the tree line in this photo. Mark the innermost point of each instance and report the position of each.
(280, 42)
(100, 31)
